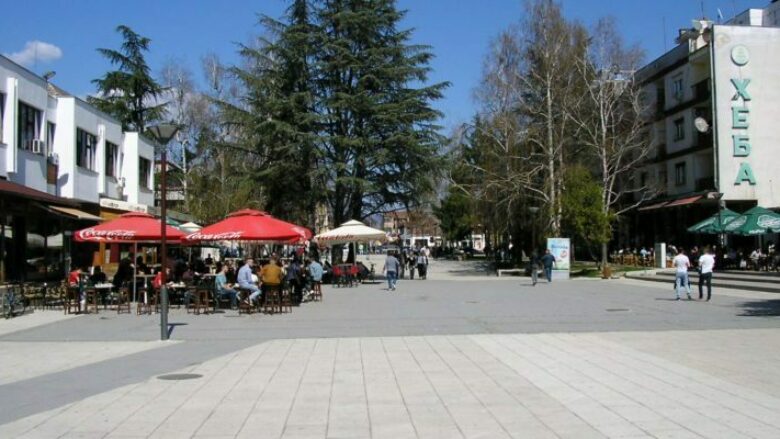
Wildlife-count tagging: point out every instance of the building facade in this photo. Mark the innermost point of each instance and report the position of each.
(710, 101)
(58, 152)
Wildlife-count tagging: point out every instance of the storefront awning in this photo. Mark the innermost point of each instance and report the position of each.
(75, 213)
(684, 201)
(653, 206)
(17, 190)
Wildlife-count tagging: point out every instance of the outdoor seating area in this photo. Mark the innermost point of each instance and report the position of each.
(276, 285)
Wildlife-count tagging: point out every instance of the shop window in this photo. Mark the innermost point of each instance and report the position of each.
(29, 126)
(111, 158)
(145, 173)
(679, 174)
(86, 145)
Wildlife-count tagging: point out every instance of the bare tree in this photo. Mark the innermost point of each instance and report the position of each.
(609, 117)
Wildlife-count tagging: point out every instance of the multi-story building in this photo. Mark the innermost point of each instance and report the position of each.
(712, 100)
(62, 163)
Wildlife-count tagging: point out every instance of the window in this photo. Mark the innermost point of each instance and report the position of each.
(677, 88)
(51, 128)
(111, 156)
(679, 129)
(29, 126)
(85, 149)
(144, 173)
(2, 114)
(679, 174)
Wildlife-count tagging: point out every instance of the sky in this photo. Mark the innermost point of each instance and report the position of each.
(62, 35)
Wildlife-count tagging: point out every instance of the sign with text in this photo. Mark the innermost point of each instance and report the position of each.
(560, 248)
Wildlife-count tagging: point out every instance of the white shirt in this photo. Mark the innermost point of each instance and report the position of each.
(681, 263)
(706, 262)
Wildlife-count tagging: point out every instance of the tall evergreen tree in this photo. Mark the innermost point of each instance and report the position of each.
(130, 92)
(278, 119)
(379, 136)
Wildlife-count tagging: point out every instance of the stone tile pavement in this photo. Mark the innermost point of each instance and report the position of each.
(556, 385)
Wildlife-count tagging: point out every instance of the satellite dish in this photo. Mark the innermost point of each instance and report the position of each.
(701, 125)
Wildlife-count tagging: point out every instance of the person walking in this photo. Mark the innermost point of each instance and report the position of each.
(422, 265)
(681, 263)
(706, 264)
(391, 269)
(548, 260)
(534, 266)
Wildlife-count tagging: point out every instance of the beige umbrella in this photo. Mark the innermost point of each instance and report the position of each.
(351, 231)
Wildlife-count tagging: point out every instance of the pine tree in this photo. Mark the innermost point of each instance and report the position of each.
(129, 93)
(380, 139)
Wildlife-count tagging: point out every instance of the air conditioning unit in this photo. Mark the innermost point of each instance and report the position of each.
(37, 146)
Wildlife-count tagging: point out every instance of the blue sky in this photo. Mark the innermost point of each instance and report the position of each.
(459, 32)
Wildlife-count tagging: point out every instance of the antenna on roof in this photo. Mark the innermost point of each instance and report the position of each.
(702, 10)
(663, 23)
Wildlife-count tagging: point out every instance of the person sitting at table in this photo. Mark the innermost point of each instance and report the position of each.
(189, 276)
(210, 261)
(73, 276)
(294, 279)
(140, 265)
(271, 274)
(224, 289)
(98, 277)
(157, 282)
(244, 279)
(124, 273)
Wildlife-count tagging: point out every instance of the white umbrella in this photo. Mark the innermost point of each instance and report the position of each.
(351, 231)
(190, 227)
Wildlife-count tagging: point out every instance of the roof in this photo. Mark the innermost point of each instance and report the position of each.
(14, 189)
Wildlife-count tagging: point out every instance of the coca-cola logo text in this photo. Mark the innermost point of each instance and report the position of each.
(226, 236)
(96, 235)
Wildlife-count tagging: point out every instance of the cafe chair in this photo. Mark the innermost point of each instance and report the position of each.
(316, 291)
(272, 298)
(244, 305)
(71, 302)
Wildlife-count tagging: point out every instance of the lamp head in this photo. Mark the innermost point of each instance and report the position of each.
(164, 132)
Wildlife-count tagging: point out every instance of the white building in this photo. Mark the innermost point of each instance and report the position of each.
(42, 126)
(61, 156)
(714, 100)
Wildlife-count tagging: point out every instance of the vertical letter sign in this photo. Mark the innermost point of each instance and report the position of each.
(740, 114)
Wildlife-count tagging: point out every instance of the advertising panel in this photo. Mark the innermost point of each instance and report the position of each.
(560, 248)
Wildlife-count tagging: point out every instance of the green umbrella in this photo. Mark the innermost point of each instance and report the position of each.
(712, 225)
(756, 221)
(172, 222)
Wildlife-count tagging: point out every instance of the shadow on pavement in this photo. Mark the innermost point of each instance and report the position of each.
(761, 308)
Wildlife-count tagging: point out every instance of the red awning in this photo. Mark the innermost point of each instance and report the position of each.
(654, 206)
(251, 225)
(684, 201)
(130, 227)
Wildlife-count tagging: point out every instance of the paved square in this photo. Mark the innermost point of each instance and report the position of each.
(454, 356)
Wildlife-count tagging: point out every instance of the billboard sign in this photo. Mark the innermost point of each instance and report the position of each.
(560, 248)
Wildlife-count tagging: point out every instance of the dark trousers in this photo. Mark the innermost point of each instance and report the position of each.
(548, 273)
(705, 277)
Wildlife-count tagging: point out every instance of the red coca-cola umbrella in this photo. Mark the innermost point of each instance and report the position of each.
(128, 228)
(251, 225)
(131, 228)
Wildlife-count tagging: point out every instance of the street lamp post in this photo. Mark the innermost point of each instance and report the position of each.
(533, 210)
(163, 133)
